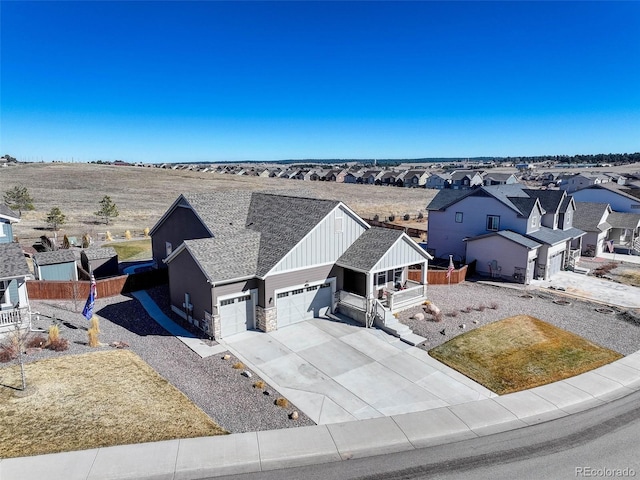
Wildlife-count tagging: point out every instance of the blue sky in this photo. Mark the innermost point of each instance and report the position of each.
(215, 81)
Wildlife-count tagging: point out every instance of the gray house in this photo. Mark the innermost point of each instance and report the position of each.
(621, 198)
(14, 301)
(592, 218)
(625, 231)
(7, 218)
(243, 260)
(55, 265)
(458, 219)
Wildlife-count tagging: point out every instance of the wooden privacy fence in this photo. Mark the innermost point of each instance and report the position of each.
(439, 277)
(412, 232)
(106, 287)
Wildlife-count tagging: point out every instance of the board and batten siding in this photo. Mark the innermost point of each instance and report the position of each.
(401, 254)
(325, 243)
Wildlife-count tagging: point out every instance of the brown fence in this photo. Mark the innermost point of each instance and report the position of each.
(439, 277)
(412, 232)
(107, 287)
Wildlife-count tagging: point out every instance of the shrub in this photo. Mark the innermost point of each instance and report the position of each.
(453, 313)
(420, 215)
(127, 235)
(95, 324)
(36, 342)
(259, 385)
(392, 218)
(493, 306)
(406, 217)
(59, 345)
(146, 231)
(54, 333)
(8, 353)
(108, 237)
(92, 333)
(282, 402)
(238, 366)
(376, 218)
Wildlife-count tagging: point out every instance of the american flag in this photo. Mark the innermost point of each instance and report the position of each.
(451, 267)
(93, 294)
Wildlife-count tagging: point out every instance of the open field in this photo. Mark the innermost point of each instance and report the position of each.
(93, 400)
(143, 195)
(519, 353)
(132, 249)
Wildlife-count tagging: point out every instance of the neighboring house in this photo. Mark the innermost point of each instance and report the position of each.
(577, 182)
(353, 177)
(336, 175)
(55, 265)
(388, 178)
(370, 176)
(102, 262)
(439, 181)
(592, 218)
(242, 260)
(7, 218)
(619, 197)
(625, 230)
(414, 179)
(465, 179)
(14, 301)
(499, 179)
(505, 213)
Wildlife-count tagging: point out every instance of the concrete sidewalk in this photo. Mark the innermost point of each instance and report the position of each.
(269, 450)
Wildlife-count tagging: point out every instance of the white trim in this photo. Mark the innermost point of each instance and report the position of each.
(349, 212)
(253, 293)
(330, 280)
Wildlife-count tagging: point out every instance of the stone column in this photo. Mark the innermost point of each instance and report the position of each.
(266, 319)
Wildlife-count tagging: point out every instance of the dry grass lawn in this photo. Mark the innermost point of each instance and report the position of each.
(519, 353)
(93, 400)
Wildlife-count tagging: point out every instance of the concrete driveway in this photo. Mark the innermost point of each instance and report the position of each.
(593, 289)
(336, 372)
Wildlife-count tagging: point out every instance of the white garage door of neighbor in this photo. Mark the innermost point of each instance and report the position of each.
(555, 264)
(303, 303)
(236, 315)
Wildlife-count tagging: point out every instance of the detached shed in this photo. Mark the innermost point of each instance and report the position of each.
(102, 261)
(55, 265)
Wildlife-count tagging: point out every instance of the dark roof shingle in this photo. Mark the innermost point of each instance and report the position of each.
(12, 261)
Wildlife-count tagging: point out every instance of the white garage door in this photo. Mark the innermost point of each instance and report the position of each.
(236, 314)
(555, 264)
(303, 303)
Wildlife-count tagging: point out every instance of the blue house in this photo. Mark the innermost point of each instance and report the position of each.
(14, 273)
(7, 217)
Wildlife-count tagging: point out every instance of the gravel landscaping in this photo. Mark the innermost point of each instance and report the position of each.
(469, 305)
(230, 399)
(211, 383)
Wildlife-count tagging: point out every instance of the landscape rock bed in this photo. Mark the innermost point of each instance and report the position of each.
(616, 332)
(211, 383)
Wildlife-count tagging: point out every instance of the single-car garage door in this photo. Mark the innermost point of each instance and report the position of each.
(236, 314)
(303, 303)
(555, 264)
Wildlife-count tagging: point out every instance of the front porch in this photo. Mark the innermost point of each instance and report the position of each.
(13, 318)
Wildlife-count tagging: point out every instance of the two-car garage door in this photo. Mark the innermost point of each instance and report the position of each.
(303, 303)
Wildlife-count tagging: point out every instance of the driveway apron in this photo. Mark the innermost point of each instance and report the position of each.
(336, 372)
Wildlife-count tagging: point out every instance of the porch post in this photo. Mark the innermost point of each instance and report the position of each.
(423, 278)
(368, 300)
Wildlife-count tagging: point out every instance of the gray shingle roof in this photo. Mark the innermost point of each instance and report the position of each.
(227, 257)
(624, 220)
(99, 253)
(365, 252)
(12, 261)
(553, 237)
(446, 197)
(52, 258)
(550, 200)
(264, 225)
(7, 212)
(588, 216)
(509, 235)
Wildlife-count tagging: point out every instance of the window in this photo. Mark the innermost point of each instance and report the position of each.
(283, 294)
(493, 223)
(229, 301)
(297, 291)
(381, 278)
(2, 234)
(397, 276)
(244, 298)
(534, 221)
(4, 292)
(311, 289)
(339, 222)
(458, 217)
(325, 285)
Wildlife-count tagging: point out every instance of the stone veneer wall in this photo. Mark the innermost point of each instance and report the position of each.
(216, 328)
(266, 319)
